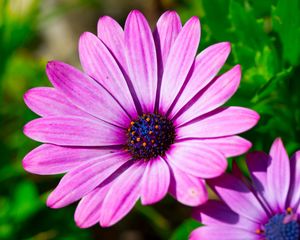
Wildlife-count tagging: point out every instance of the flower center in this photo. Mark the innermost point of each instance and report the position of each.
(151, 135)
(282, 226)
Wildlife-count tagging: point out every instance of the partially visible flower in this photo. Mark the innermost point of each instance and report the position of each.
(266, 208)
(143, 120)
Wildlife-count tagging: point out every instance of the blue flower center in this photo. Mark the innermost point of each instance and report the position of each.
(149, 136)
(282, 226)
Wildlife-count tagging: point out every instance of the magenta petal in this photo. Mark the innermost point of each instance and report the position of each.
(86, 93)
(232, 190)
(258, 163)
(112, 35)
(85, 178)
(221, 122)
(213, 96)
(230, 146)
(89, 208)
(167, 28)
(278, 175)
(98, 63)
(179, 62)
(74, 131)
(187, 189)
(217, 213)
(207, 64)
(156, 181)
(295, 179)
(46, 101)
(222, 233)
(52, 159)
(141, 59)
(122, 195)
(197, 159)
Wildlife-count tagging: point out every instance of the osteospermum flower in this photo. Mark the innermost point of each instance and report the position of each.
(143, 119)
(266, 209)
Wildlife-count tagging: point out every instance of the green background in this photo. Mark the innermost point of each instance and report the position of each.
(265, 37)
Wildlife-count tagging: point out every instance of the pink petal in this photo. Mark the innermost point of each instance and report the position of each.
(278, 175)
(187, 189)
(217, 213)
(207, 64)
(238, 197)
(167, 29)
(85, 178)
(156, 181)
(46, 101)
(52, 159)
(230, 146)
(74, 131)
(86, 94)
(141, 59)
(197, 159)
(123, 195)
(179, 62)
(112, 35)
(98, 63)
(295, 179)
(222, 233)
(212, 96)
(258, 163)
(89, 208)
(218, 123)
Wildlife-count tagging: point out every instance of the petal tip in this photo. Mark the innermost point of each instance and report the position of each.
(52, 66)
(195, 21)
(147, 202)
(51, 203)
(105, 223)
(80, 223)
(26, 163)
(105, 18)
(136, 13)
(278, 140)
(26, 129)
(227, 45)
(26, 96)
(84, 37)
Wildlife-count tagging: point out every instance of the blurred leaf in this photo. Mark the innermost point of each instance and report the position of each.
(18, 18)
(270, 87)
(262, 8)
(158, 222)
(185, 229)
(25, 201)
(216, 13)
(286, 21)
(249, 31)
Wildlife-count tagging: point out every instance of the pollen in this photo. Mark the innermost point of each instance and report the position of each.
(289, 210)
(149, 136)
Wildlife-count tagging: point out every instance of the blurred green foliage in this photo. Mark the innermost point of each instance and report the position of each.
(265, 38)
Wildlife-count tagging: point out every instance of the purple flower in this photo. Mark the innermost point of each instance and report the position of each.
(268, 208)
(143, 119)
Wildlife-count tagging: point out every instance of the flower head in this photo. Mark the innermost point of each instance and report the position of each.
(143, 119)
(267, 208)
